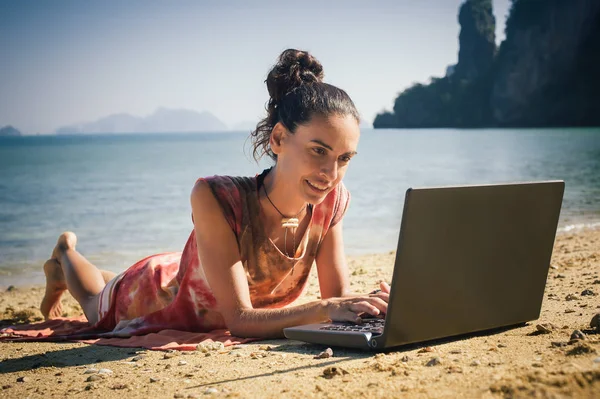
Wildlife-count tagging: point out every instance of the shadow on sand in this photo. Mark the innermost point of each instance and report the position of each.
(88, 354)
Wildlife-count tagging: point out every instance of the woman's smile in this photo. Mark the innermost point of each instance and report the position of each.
(318, 187)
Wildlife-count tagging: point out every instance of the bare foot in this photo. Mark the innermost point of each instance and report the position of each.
(51, 307)
(67, 240)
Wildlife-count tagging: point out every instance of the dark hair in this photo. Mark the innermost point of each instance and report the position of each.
(297, 93)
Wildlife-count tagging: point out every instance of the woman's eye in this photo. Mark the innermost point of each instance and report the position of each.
(345, 159)
(319, 150)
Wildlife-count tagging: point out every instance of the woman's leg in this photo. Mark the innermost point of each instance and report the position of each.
(69, 270)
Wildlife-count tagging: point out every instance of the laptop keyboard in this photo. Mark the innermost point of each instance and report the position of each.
(373, 325)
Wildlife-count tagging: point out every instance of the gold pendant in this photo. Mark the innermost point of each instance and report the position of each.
(290, 222)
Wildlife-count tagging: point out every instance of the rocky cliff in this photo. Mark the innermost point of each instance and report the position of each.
(477, 39)
(547, 70)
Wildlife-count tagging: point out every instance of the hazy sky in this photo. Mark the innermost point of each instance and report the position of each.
(65, 62)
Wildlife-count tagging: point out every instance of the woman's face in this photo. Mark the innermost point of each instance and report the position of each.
(315, 158)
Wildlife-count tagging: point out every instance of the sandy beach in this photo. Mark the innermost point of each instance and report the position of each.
(537, 360)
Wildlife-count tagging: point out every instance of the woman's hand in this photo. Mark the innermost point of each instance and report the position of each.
(351, 308)
(383, 287)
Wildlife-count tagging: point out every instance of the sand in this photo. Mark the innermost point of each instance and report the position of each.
(521, 362)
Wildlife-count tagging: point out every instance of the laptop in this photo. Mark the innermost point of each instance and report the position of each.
(469, 259)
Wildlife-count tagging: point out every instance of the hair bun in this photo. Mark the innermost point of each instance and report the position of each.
(293, 69)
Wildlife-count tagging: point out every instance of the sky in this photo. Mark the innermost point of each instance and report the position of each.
(68, 61)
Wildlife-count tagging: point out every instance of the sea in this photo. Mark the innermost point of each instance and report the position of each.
(126, 196)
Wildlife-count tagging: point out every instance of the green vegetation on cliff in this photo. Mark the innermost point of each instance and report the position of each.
(543, 74)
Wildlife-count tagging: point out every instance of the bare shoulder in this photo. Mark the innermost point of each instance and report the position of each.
(205, 206)
(202, 196)
(200, 191)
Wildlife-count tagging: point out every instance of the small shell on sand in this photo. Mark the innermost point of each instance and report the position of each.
(327, 353)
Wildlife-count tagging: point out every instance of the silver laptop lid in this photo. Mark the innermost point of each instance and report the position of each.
(471, 258)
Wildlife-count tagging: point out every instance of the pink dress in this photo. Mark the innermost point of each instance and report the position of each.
(170, 291)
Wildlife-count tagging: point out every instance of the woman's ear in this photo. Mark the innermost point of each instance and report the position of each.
(277, 137)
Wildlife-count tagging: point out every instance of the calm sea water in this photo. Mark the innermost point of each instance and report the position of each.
(127, 196)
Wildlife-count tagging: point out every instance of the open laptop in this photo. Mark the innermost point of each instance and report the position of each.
(469, 258)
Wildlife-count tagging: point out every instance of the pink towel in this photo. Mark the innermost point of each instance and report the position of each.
(77, 329)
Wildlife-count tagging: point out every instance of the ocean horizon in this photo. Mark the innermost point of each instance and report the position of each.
(126, 196)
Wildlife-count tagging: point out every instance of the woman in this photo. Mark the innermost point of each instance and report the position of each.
(254, 240)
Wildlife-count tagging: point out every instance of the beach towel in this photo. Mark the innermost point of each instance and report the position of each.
(76, 329)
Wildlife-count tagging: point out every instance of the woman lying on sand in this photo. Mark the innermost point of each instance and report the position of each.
(254, 239)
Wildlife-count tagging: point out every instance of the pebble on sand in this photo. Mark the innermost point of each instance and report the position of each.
(327, 353)
(595, 323)
(577, 335)
(206, 347)
(426, 349)
(433, 362)
(545, 328)
(90, 371)
(333, 371)
(588, 292)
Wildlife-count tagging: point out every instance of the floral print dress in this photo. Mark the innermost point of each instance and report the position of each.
(170, 291)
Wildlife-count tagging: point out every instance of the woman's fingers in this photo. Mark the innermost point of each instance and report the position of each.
(350, 309)
(380, 302)
(385, 287)
(385, 297)
(371, 305)
(348, 315)
(364, 307)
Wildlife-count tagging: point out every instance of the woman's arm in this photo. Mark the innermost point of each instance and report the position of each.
(225, 274)
(334, 277)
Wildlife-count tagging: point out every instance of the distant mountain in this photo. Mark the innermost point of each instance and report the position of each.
(163, 120)
(9, 131)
